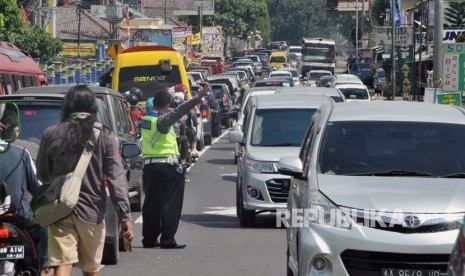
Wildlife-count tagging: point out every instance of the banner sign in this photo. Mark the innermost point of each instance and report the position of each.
(383, 36)
(212, 41)
(179, 38)
(86, 50)
(449, 36)
(453, 67)
(153, 37)
(454, 98)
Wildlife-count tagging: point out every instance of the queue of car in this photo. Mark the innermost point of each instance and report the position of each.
(356, 159)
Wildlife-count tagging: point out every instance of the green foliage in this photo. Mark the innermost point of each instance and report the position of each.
(293, 19)
(379, 11)
(455, 13)
(237, 17)
(31, 39)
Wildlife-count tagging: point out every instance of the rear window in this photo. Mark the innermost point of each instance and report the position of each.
(280, 127)
(277, 59)
(273, 83)
(355, 93)
(218, 92)
(35, 119)
(337, 99)
(148, 78)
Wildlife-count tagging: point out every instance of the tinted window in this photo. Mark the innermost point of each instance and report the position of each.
(35, 119)
(148, 78)
(280, 127)
(337, 99)
(272, 83)
(377, 146)
(218, 92)
(277, 59)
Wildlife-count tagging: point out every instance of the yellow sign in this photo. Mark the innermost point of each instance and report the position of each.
(115, 50)
(86, 50)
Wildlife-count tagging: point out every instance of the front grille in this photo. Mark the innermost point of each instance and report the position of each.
(370, 263)
(276, 191)
(399, 228)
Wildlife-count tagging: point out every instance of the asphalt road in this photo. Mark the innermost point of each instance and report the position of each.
(216, 244)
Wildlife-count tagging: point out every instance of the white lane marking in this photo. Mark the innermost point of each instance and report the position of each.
(138, 220)
(229, 174)
(222, 211)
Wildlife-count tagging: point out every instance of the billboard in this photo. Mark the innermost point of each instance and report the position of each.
(449, 36)
(179, 38)
(153, 37)
(383, 36)
(453, 71)
(86, 50)
(191, 7)
(212, 41)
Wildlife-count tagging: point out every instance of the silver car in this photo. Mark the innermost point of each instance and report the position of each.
(377, 189)
(274, 125)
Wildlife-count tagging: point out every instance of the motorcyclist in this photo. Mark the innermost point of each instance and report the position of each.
(191, 122)
(136, 112)
(138, 93)
(18, 173)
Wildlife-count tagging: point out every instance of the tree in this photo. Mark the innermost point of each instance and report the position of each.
(238, 18)
(379, 11)
(31, 39)
(293, 19)
(455, 13)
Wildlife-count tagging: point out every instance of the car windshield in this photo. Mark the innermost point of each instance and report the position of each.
(197, 77)
(277, 59)
(355, 93)
(254, 58)
(295, 50)
(280, 127)
(370, 147)
(263, 57)
(148, 78)
(325, 80)
(272, 83)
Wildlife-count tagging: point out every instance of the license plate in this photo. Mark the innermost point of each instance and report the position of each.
(204, 120)
(13, 252)
(409, 272)
(286, 185)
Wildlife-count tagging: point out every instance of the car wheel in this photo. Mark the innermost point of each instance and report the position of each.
(207, 139)
(200, 144)
(247, 218)
(111, 249)
(137, 205)
(238, 199)
(289, 270)
(216, 131)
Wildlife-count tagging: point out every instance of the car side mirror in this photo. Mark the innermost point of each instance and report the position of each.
(130, 150)
(236, 136)
(290, 165)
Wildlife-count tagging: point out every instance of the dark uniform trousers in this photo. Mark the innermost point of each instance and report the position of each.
(164, 195)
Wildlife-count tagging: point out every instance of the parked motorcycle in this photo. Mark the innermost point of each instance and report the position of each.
(18, 255)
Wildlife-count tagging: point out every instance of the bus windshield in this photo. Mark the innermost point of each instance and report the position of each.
(318, 53)
(149, 79)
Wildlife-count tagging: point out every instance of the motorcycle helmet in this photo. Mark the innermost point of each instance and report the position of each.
(136, 91)
(133, 99)
(176, 100)
(149, 105)
(180, 88)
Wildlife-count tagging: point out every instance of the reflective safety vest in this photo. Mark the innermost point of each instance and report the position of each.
(156, 144)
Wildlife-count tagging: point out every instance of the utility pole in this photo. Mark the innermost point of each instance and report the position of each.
(393, 48)
(363, 19)
(79, 29)
(165, 13)
(356, 30)
(437, 48)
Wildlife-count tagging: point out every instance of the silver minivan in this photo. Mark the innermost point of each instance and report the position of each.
(377, 189)
(274, 125)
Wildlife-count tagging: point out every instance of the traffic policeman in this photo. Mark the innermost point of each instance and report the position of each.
(163, 174)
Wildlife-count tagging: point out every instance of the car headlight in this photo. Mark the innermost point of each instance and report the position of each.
(260, 166)
(322, 211)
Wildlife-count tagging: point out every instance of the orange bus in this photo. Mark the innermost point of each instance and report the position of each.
(17, 70)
